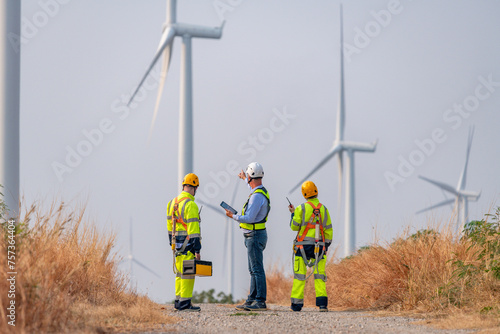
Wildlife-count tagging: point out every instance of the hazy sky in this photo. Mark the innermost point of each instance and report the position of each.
(417, 74)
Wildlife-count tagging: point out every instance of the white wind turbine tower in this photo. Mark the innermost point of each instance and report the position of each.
(462, 196)
(186, 31)
(339, 147)
(228, 241)
(131, 259)
(10, 60)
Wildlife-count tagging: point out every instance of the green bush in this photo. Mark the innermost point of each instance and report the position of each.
(208, 297)
(486, 235)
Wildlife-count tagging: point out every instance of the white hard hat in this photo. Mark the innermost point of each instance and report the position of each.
(255, 170)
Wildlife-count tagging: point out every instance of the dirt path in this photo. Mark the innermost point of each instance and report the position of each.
(217, 318)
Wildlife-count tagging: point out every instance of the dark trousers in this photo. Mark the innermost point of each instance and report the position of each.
(255, 243)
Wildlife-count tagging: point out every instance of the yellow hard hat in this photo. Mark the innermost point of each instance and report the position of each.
(309, 189)
(191, 179)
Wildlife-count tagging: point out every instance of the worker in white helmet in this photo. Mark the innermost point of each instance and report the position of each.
(253, 223)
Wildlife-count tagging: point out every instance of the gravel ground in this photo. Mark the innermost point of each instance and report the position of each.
(218, 318)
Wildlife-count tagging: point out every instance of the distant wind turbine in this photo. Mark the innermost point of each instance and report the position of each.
(131, 259)
(187, 32)
(228, 241)
(462, 196)
(339, 147)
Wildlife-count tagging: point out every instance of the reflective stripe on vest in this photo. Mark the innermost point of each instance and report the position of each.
(260, 225)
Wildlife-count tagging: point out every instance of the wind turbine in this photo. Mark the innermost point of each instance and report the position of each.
(228, 241)
(131, 258)
(339, 147)
(172, 29)
(462, 196)
(10, 60)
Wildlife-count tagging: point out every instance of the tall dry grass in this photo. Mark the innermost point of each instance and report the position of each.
(434, 271)
(67, 278)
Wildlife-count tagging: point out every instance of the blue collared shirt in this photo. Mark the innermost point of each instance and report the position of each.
(256, 209)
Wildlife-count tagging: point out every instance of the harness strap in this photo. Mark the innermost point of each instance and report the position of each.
(179, 218)
(299, 242)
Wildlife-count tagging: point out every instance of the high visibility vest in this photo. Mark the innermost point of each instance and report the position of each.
(303, 214)
(260, 225)
(188, 219)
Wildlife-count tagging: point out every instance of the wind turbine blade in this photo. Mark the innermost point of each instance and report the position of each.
(330, 154)
(166, 39)
(219, 210)
(144, 267)
(341, 108)
(463, 177)
(445, 202)
(441, 185)
(130, 238)
(235, 192)
(167, 56)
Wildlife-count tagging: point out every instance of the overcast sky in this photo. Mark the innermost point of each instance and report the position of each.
(417, 75)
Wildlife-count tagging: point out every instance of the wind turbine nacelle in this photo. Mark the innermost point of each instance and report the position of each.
(182, 29)
(471, 195)
(363, 147)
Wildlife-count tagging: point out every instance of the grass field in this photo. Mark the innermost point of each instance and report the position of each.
(451, 279)
(67, 278)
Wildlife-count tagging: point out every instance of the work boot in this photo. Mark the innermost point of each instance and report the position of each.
(242, 306)
(191, 308)
(323, 309)
(296, 307)
(257, 306)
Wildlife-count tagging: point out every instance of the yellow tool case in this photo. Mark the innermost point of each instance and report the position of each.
(197, 268)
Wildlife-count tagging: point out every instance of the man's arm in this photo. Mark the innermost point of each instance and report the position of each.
(192, 219)
(296, 219)
(328, 229)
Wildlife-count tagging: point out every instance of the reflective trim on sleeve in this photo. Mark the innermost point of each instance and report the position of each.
(328, 227)
(184, 207)
(299, 277)
(193, 220)
(178, 274)
(328, 241)
(321, 277)
(325, 219)
(169, 217)
(297, 301)
(303, 207)
(295, 223)
(195, 235)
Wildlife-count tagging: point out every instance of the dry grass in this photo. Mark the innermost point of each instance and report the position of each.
(68, 280)
(415, 274)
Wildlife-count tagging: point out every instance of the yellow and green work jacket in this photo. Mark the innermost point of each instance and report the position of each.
(300, 220)
(255, 211)
(187, 228)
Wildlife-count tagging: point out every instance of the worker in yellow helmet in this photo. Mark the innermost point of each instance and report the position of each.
(312, 222)
(183, 224)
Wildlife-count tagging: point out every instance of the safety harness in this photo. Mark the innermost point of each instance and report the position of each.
(178, 218)
(316, 222)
